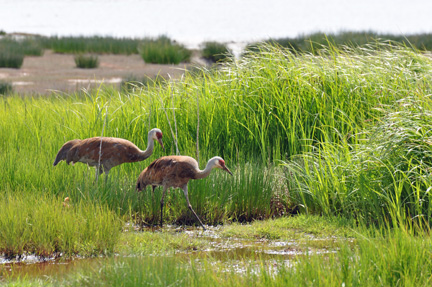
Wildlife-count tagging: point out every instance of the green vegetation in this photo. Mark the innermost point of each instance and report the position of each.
(376, 258)
(5, 88)
(263, 108)
(133, 83)
(27, 46)
(390, 260)
(317, 41)
(12, 51)
(11, 59)
(342, 133)
(384, 178)
(292, 228)
(86, 61)
(94, 44)
(40, 224)
(216, 52)
(163, 51)
(11, 55)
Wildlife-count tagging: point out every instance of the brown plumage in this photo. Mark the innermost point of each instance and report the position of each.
(106, 152)
(176, 171)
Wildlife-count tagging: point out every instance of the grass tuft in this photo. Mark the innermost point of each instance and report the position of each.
(216, 52)
(86, 61)
(5, 88)
(134, 84)
(163, 51)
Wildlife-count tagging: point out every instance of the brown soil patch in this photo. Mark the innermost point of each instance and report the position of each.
(57, 72)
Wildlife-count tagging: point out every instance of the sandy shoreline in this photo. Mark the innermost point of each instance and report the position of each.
(57, 72)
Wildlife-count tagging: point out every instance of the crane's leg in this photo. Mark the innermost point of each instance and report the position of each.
(185, 190)
(162, 203)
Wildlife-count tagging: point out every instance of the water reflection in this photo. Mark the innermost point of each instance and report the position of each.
(234, 253)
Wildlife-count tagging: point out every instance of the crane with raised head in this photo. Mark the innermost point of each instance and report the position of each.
(176, 171)
(105, 153)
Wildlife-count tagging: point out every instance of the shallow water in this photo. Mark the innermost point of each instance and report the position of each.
(51, 268)
(233, 252)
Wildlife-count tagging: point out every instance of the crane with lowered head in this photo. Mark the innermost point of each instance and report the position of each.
(176, 171)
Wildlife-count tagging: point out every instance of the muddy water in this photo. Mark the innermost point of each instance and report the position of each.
(230, 251)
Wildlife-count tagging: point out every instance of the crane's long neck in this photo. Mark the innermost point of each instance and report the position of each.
(207, 170)
(149, 150)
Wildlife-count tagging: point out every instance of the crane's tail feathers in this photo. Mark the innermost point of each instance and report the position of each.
(62, 153)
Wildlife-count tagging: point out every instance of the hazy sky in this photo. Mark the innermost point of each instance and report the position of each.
(194, 21)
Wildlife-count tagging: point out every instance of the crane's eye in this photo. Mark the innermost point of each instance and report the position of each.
(222, 162)
(159, 135)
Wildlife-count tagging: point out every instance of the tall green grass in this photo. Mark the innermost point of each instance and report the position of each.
(86, 61)
(5, 88)
(216, 52)
(385, 178)
(28, 46)
(246, 196)
(315, 112)
(314, 42)
(38, 223)
(134, 83)
(40, 134)
(11, 59)
(94, 44)
(13, 51)
(262, 108)
(163, 51)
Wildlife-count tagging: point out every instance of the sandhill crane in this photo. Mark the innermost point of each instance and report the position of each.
(106, 152)
(176, 171)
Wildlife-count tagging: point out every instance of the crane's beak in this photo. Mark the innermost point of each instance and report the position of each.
(161, 143)
(227, 170)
